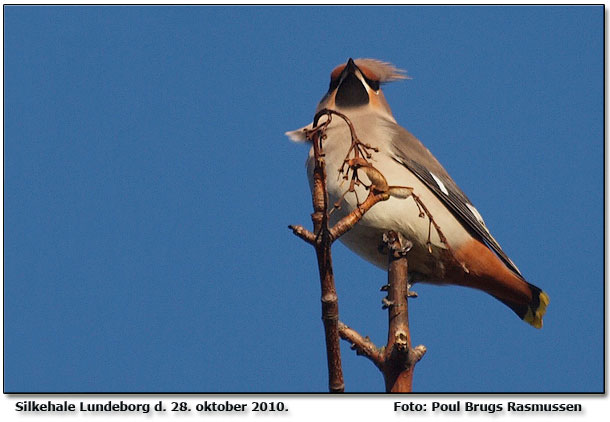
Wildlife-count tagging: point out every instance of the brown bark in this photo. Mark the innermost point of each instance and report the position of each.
(330, 302)
(398, 362)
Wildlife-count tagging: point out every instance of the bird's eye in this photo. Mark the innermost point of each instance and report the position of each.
(372, 83)
(370, 77)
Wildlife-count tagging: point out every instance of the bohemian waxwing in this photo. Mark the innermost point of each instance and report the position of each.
(476, 259)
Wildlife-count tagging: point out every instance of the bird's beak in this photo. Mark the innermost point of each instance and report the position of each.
(350, 67)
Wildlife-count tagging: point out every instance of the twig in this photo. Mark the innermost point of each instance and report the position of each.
(362, 345)
(350, 220)
(424, 210)
(303, 233)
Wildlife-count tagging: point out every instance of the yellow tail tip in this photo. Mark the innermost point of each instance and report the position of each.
(534, 316)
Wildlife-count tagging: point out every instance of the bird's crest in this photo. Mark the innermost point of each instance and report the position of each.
(383, 71)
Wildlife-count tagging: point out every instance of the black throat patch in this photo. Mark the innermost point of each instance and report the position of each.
(351, 93)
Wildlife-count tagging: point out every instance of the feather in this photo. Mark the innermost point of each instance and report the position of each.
(299, 135)
(384, 71)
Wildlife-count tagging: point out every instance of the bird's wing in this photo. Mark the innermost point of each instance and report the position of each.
(411, 153)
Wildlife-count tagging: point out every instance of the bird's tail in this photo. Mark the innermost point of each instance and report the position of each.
(533, 311)
(488, 273)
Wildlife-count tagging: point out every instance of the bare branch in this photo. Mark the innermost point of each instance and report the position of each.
(398, 368)
(350, 220)
(424, 210)
(303, 233)
(330, 303)
(362, 345)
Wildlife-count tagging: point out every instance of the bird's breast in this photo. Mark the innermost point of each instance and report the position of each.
(403, 215)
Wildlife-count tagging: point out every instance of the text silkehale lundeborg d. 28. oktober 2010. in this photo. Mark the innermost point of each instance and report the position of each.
(159, 406)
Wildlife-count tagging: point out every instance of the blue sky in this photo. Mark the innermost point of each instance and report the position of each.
(148, 186)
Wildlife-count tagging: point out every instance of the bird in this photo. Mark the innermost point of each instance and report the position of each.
(451, 243)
